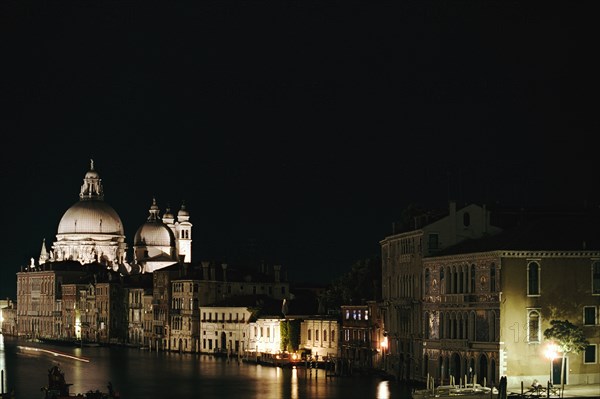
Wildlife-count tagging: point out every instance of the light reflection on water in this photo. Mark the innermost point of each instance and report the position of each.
(142, 374)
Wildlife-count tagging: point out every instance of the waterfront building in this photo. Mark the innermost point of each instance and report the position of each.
(185, 315)
(38, 290)
(8, 317)
(402, 255)
(111, 312)
(487, 303)
(264, 336)
(148, 316)
(223, 328)
(72, 304)
(135, 315)
(161, 306)
(356, 348)
(319, 335)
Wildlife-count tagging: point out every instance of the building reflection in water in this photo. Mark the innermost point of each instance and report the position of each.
(2, 365)
(383, 390)
(294, 383)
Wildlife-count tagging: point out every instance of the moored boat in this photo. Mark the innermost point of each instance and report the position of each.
(473, 391)
(58, 388)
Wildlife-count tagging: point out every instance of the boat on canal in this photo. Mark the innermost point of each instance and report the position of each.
(58, 388)
(471, 391)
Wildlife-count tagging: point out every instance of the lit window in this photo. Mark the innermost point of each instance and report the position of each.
(589, 356)
(347, 314)
(589, 315)
(367, 314)
(533, 325)
(533, 278)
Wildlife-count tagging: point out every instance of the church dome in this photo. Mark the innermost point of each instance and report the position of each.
(154, 232)
(90, 217)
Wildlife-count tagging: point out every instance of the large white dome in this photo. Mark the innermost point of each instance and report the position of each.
(90, 217)
(90, 230)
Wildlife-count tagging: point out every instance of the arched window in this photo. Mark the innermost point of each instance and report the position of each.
(533, 278)
(493, 277)
(309, 334)
(427, 278)
(442, 281)
(454, 280)
(533, 326)
(466, 219)
(426, 325)
(324, 335)
(472, 280)
(441, 326)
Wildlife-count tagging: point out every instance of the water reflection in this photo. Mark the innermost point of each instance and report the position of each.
(383, 390)
(294, 383)
(143, 374)
(2, 365)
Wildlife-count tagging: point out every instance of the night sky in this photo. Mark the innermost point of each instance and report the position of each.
(295, 131)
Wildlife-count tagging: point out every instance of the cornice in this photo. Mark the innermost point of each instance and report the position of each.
(507, 253)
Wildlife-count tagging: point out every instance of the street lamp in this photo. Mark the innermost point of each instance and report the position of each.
(551, 353)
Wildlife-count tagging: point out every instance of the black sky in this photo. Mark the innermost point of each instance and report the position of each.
(300, 129)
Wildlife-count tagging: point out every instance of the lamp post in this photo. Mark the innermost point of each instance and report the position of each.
(551, 353)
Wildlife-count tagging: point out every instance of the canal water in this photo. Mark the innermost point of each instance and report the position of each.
(142, 374)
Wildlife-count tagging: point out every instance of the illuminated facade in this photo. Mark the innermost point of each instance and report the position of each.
(223, 329)
(320, 335)
(91, 231)
(39, 294)
(485, 309)
(402, 265)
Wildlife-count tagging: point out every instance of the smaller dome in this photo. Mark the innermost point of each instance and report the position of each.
(168, 214)
(183, 212)
(154, 233)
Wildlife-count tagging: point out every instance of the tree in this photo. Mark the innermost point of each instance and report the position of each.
(569, 338)
(290, 335)
(361, 283)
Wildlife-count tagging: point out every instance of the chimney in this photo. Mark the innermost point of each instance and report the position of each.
(453, 227)
(205, 265)
(277, 270)
(224, 266)
(485, 219)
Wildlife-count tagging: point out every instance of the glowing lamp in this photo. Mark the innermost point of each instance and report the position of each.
(551, 351)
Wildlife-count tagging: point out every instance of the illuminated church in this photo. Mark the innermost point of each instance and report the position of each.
(92, 231)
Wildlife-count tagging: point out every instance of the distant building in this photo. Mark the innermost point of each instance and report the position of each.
(8, 317)
(320, 336)
(356, 338)
(39, 289)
